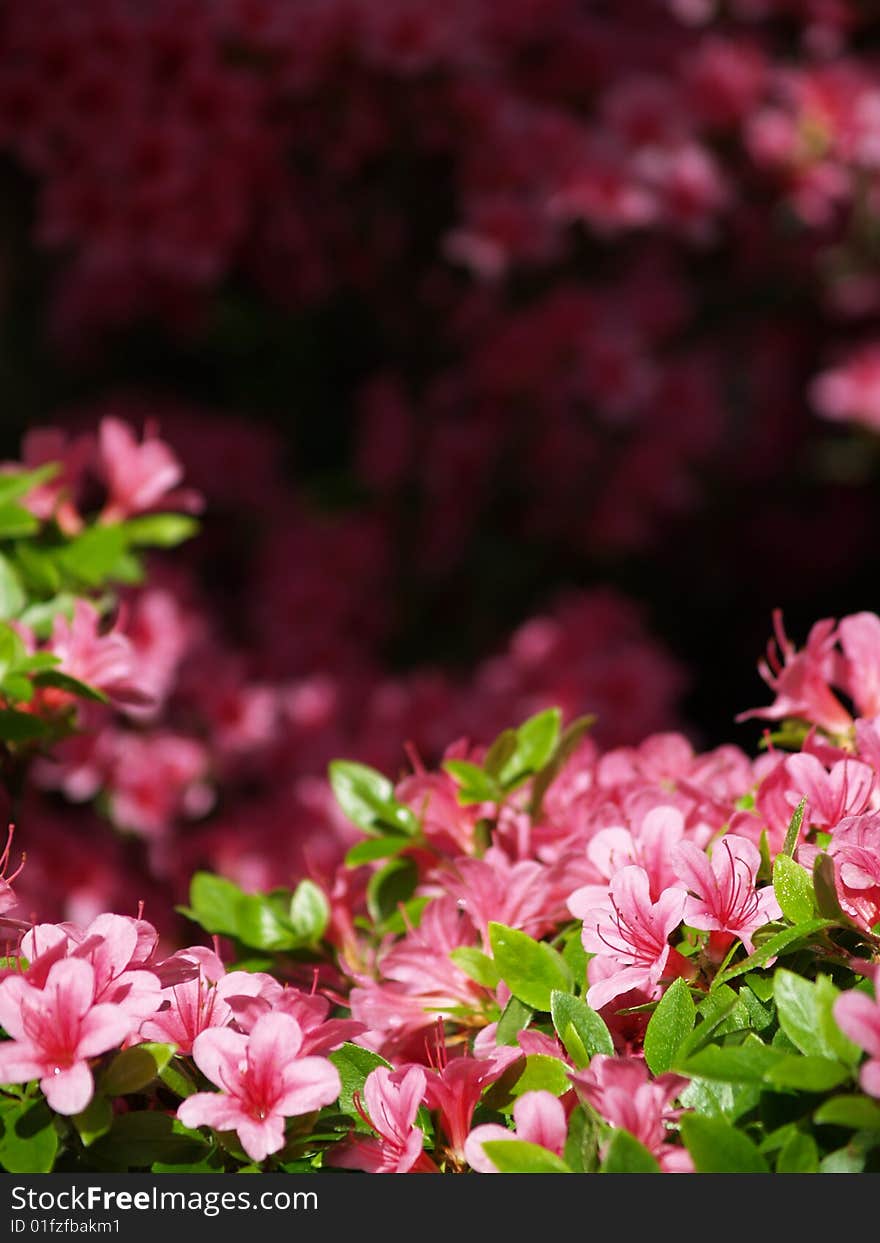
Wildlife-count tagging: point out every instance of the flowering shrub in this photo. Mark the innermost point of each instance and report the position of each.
(541, 956)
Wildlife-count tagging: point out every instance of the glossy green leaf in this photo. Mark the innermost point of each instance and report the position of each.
(133, 1069)
(515, 1017)
(476, 965)
(719, 1148)
(367, 799)
(570, 1012)
(794, 829)
(516, 1156)
(12, 595)
(376, 848)
(627, 1155)
(793, 886)
(214, 903)
(860, 1113)
(29, 1142)
(160, 530)
(541, 1073)
(807, 1074)
(94, 1121)
(532, 970)
(354, 1065)
(390, 886)
(668, 1027)
(799, 1156)
(309, 912)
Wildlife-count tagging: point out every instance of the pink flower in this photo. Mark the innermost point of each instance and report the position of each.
(138, 476)
(650, 847)
(724, 899)
(539, 1118)
(855, 849)
(455, 1088)
(55, 1030)
(844, 791)
(391, 1102)
(113, 945)
(802, 680)
(858, 1017)
(263, 1082)
(629, 935)
(622, 1091)
(105, 661)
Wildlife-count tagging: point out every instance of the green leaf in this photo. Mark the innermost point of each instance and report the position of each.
(309, 912)
(367, 799)
(797, 1006)
(16, 522)
(576, 957)
(37, 568)
(214, 903)
(94, 1121)
(793, 887)
(572, 1014)
(390, 886)
(530, 969)
(476, 965)
(499, 753)
(160, 530)
(12, 596)
(516, 1156)
(376, 848)
(133, 1069)
(825, 887)
(669, 1025)
(475, 785)
(17, 484)
(627, 1155)
(176, 1077)
(794, 829)
(73, 686)
(138, 1139)
(40, 616)
(748, 1062)
(719, 1148)
(773, 947)
(30, 1141)
(17, 688)
(515, 1017)
(92, 557)
(808, 1074)
(541, 1073)
(799, 1156)
(21, 726)
(835, 1043)
(857, 1112)
(259, 925)
(354, 1065)
(536, 739)
(566, 746)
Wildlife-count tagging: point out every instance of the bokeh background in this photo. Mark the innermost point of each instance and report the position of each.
(524, 354)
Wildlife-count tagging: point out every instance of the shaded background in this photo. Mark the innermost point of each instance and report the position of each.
(524, 354)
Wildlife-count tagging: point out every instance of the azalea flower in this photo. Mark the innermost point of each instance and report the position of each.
(139, 475)
(263, 1081)
(723, 897)
(539, 1118)
(390, 1103)
(629, 936)
(55, 1030)
(858, 1016)
(622, 1092)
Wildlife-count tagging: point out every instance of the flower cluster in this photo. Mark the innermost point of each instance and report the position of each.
(542, 956)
